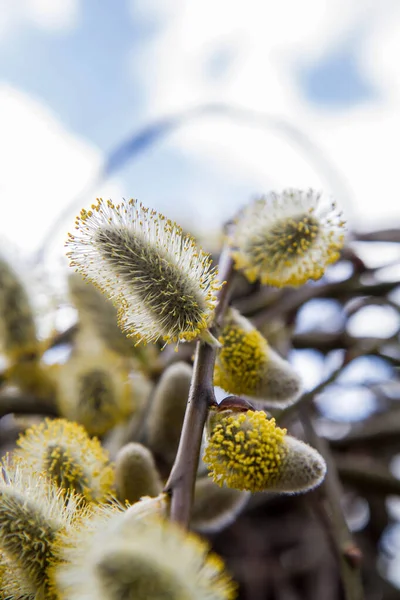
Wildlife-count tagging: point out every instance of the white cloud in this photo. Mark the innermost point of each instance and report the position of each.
(53, 16)
(262, 43)
(266, 37)
(380, 54)
(365, 144)
(154, 10)
(43, 168)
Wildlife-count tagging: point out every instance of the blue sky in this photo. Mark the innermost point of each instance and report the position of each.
(84, 76)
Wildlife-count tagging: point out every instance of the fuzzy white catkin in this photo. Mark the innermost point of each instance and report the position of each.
(110, 558)
(287, 238)
(162, 284)
(32, 513)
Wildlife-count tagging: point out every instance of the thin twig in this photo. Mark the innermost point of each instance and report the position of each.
(25, 405)
(201, 396)
(308, 397)
(268, 305)
(368, 346)
(380, 235)
(325, 342)
(383, 428)
(347, 551)
(64, 337)
(367, 474)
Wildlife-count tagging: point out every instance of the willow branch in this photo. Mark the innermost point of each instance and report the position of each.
(325, 342)
(269, 304)
(25, 405)
(381, 235)
(368, 346)
(64, 337)
(379, 429)
(348, 553)
(201, 396)
(367, 474)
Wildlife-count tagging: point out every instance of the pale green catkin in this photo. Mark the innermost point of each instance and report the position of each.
(136, 474)
(165, 418)
(13, 582)
(126, 576)
(97, 311)
(26, 535)
(32, 513)
(95, 390)
(142, 557)
(215, 507)
(17, 324)
(303, 468)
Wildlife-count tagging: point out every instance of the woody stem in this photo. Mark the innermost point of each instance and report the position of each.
(182, 479)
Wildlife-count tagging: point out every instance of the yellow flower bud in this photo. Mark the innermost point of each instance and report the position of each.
(64, 451)
(246, 365)
(247, 451)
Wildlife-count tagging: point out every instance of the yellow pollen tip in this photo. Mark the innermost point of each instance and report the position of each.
(245, 450)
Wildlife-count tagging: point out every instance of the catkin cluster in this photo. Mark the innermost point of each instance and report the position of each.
(75, 525)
